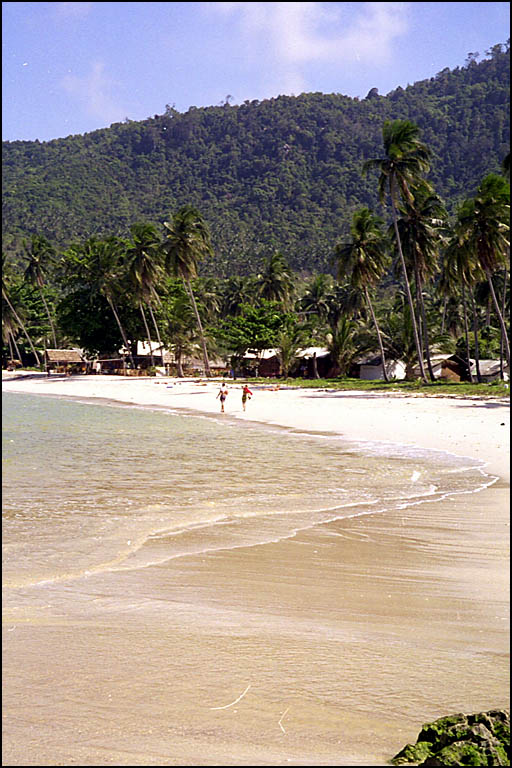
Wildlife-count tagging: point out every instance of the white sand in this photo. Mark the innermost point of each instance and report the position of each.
(479, 428)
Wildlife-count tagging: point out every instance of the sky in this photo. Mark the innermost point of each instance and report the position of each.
(72, 68)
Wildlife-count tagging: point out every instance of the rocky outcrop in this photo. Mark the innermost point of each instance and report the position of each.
(480, 739)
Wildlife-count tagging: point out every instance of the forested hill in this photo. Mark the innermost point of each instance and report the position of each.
(283, 173)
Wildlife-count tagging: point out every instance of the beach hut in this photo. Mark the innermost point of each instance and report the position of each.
(311, 361)
(447, 367)
(370, 368)
(65, 361)
(262, 363)
(490, 370)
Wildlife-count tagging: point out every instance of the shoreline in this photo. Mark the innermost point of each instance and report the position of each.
(475, 428)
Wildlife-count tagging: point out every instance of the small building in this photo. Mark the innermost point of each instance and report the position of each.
(490, 370)
(264, 363)
(447, 367)
(65, 361)
(267, 364)
(312, 358)
(370, 368)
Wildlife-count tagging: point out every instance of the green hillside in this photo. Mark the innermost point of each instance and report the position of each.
(281, 173)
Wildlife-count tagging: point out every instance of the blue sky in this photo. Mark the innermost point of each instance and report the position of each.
(71, 68)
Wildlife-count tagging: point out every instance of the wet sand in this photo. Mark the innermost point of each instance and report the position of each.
(331, 648)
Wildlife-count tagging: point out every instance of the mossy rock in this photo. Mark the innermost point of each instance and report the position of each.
(479, 739)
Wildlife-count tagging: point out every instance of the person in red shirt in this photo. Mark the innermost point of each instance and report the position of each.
(246, 395)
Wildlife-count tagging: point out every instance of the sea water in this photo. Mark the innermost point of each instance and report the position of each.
(96, 488)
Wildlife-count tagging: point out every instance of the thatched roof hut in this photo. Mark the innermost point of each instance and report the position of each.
(64, 357)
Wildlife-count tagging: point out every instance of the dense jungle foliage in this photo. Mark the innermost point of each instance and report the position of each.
(283, 173)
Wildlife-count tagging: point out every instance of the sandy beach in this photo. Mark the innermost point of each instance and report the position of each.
(416, 611)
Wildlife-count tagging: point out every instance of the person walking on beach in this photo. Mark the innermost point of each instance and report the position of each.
(222, 394)
(246, 394)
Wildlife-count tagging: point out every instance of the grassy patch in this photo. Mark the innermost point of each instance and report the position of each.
(458, 389)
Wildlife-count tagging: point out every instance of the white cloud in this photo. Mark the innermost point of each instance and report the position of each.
(93, 93)
(72, 10)
(295, 34)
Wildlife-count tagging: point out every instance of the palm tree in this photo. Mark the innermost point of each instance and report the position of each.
(275, 283)
(405, 159)
(14, 316)
(315, 299)
(99, 262)
(179, 325)
(364, 259)
(236, 290)
(144, 271)
(290, 338)
(484, 226)
(421, 228)
(342, 344)
(39, 253)
(460, 271)
(187, 241)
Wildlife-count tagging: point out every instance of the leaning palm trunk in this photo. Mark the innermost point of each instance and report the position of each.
(503, 305)
(500, 316)
(157, 331)
(121, 330)
(379, 337)
(466, 331)
(200, 326)
(423, 314)
(18, 320)
(49, 318)
(475, 333)
(12, 341)
(148, 335)
(407, 287)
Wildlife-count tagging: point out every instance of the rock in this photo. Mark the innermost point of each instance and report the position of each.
(479, 739)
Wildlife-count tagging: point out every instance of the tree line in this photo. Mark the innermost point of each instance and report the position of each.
(422, 282)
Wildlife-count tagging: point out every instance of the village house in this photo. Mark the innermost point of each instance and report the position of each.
(65, 361)
(370, 368)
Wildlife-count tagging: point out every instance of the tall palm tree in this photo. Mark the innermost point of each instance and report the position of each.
(39, 254)
(14, 316)
(143, 255)
(364, 260)
(484, 226)
(186, 242)
(405, 159)
(421, 227)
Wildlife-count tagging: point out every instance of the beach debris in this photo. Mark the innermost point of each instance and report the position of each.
(281, 720)
(233, 702)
